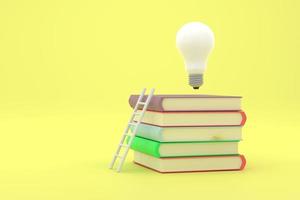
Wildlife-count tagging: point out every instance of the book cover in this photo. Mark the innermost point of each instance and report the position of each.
(204, 118)
(190, 164)
(179, 149)
(189, 134)
(190, 102)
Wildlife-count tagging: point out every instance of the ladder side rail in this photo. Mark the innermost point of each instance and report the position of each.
(141, 116)
(136, 108)
(133, 132)
(126, 131)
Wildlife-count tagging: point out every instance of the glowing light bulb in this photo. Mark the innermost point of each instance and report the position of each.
(195, 41)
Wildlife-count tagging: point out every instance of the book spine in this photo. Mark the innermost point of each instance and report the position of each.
(243, 162)
(154, 105)
(146, 146)
(244, 118)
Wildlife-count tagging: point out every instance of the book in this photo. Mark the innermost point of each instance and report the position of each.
(190, 164)
(189, 134)
(204, 118)
(190, 102)
(178, 149)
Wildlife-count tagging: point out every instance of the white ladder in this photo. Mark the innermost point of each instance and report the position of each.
(130, 133)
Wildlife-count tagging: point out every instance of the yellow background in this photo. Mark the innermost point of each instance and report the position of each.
(68, 68)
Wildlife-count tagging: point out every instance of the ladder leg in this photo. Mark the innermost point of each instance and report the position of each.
(122, 161)
(114, 158)
(111, 165)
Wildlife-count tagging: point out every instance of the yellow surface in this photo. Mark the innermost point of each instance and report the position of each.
(68, 67)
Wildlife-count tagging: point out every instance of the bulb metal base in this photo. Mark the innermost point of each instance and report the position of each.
(195, 80)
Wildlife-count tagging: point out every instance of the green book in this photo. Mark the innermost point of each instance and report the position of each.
(181, 149)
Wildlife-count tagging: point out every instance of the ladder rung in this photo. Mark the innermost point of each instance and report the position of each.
(124, 145)
(142, 103)
(137, 113)
(118, 156)
(132, 123)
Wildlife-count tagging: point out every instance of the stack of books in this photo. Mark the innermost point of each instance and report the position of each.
(189, 133)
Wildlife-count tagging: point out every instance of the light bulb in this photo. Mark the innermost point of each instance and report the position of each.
(195, 41)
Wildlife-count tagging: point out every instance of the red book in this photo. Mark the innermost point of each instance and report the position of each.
(189, 119)
(191, 164)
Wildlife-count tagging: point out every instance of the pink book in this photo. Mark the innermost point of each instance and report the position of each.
(179, 102)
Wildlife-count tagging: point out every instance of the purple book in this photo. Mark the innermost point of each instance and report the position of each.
(169, 103)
